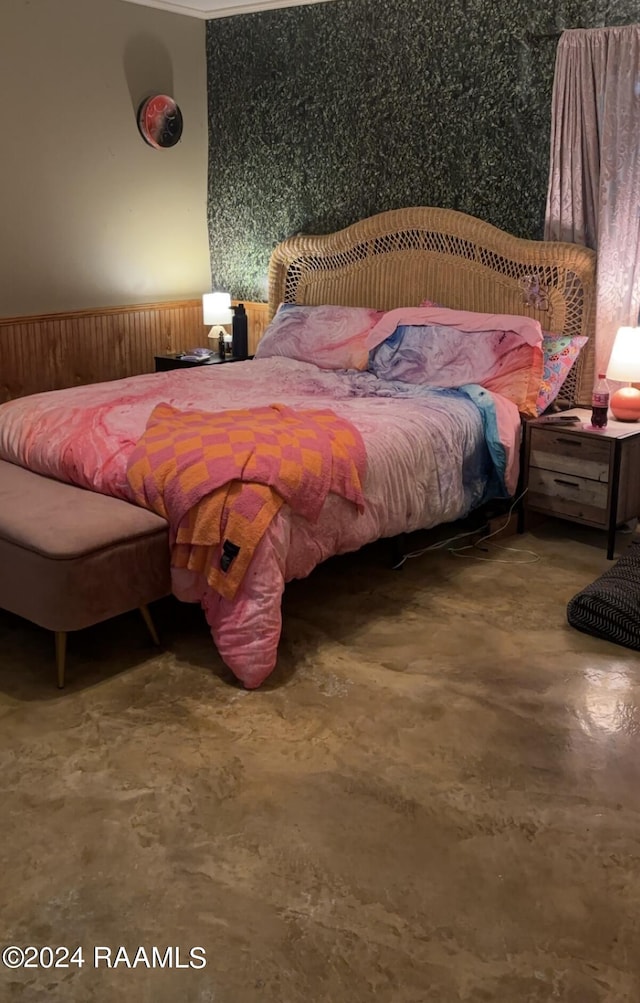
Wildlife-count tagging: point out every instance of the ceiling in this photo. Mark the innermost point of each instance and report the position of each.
(219, 8)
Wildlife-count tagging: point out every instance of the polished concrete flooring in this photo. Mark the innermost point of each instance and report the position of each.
(436, 797)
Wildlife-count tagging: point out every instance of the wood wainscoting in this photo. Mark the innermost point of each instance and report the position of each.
(59, 350)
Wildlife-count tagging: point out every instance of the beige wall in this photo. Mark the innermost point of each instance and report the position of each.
(89, 214)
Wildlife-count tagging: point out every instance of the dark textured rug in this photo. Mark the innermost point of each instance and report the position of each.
(609, 607)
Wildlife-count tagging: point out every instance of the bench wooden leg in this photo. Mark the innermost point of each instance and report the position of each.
(60, 644)
(61, 654)
(146, 616)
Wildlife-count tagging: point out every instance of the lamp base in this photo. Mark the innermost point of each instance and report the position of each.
(215, 332)
(218, 336)
(625, 404)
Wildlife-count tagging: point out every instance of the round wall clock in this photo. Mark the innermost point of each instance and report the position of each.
(160, 121)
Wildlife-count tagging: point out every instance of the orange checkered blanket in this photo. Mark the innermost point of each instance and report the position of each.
(219, 479)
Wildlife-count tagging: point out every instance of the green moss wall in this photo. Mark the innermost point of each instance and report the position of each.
(322, 114)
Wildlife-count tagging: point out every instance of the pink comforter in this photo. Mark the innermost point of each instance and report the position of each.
(416, 450)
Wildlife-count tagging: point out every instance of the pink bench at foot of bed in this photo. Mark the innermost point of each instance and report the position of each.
(70, 558)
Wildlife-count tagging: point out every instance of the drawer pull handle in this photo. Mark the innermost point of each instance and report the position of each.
(569, 442)
(570, 484)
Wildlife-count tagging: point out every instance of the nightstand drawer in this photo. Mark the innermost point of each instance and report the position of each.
(582, 447)
(579, 465)
(559, 493)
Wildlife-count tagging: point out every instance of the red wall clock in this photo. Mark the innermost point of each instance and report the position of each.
(160, 121)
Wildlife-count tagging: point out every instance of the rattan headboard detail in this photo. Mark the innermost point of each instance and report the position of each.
(400, 257)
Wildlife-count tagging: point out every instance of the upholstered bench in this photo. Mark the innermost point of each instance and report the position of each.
(70, 558)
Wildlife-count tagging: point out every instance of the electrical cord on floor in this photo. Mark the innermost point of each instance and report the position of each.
(533, 558)
(440, 545)
(458, 551)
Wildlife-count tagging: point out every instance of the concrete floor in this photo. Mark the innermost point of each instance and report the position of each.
(436, 797)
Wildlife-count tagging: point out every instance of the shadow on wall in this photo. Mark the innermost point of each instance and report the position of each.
(148, 68)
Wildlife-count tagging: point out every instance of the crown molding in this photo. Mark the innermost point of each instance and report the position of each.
(224, 8)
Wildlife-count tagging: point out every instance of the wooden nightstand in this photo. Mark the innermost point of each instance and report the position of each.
(165, 362)
(586, 476)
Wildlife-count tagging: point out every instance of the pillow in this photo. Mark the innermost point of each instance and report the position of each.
(560, 351)
(610, 606)
(331, 337)
(463, 320)
(449, 348)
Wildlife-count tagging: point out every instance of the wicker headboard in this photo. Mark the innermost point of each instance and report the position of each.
(403, 256)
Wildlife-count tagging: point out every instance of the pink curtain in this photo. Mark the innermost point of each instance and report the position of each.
(594, 177)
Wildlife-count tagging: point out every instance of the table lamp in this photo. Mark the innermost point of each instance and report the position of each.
(216, 311)
(624, 366)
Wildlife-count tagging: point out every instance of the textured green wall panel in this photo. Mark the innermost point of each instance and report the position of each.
(323, 114)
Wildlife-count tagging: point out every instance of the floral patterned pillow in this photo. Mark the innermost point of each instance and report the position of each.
(559, 354)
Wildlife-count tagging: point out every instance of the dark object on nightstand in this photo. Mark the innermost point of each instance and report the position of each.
(562, 420)
(589, 476)
(164, 363)
(600, 403)
(239, 332)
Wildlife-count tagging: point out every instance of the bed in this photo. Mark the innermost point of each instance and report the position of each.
(429, 456)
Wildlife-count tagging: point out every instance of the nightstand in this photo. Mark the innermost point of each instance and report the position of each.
(165, 362)
(587, 476)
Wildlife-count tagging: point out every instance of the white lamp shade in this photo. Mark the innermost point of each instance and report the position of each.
(216, 308)
(624, 364)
